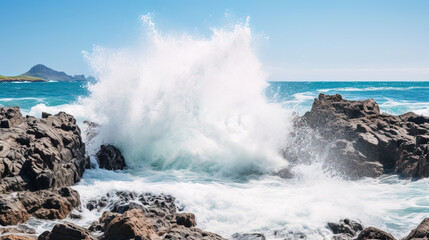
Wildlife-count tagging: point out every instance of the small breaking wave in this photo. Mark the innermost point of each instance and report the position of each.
(366, 89)
(21, 99)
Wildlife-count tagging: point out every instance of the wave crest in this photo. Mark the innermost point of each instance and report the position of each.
(181, 102)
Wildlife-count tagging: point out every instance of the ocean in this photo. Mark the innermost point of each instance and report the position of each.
(213, 146)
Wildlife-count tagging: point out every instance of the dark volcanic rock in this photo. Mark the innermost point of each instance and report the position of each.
(39, 153)
(345, 226)
(43, 204)
(421, 232)
(110, 158)
(356, 140)
(186, 219)
(372, 233)
(66, 231)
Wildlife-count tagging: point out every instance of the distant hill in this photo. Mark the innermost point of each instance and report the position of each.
(21, 78)
(42, 73)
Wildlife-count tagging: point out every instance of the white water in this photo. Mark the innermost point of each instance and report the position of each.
(191, 118)
(189, 103)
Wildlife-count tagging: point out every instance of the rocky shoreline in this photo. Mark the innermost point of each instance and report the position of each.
(356, 140)
(41, 158)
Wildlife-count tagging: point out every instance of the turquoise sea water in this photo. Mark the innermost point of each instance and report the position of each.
(393, 97)
(261, 204)
(27, 95)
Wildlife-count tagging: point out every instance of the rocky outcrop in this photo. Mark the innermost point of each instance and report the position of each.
(354, 139)
(345, 229)
(129, 225)
(348, 229)
(43, 204)
(12, 211)
(38, 153)
(421, 232)
(110, 158)
(144, 215)
(66, 231)
(372, 233)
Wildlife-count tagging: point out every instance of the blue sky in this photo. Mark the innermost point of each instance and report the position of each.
(308, 40)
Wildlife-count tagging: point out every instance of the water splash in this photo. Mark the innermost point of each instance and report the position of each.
(181, 102)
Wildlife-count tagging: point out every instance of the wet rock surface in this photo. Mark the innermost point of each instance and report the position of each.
(348, 229)
(128, 215)
(44, 204)
(39, 153)
(374, 234)
(345, 227)
(66, 231)
(110, 158)
(41, 158)
(355, 140)
(421, 232)
(129, 225)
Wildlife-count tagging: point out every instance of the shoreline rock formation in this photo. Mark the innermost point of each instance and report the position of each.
(357, 141)
(110, 158)
(127, 215)
(348, 229)
(39, 153)
(41, 158)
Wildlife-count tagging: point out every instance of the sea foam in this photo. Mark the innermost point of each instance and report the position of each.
(184, 102)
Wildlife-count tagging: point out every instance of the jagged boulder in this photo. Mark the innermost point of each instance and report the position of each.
(356, 140)
(67, 231)
(39, 153)
(155, 214)
(110, 158)
(43, 204)
(186, 219)
(12, 211)
(345, 228)
(372, 233)
(129, 225)
(421, 232)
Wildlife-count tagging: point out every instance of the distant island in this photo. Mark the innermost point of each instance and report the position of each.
(42, 73)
